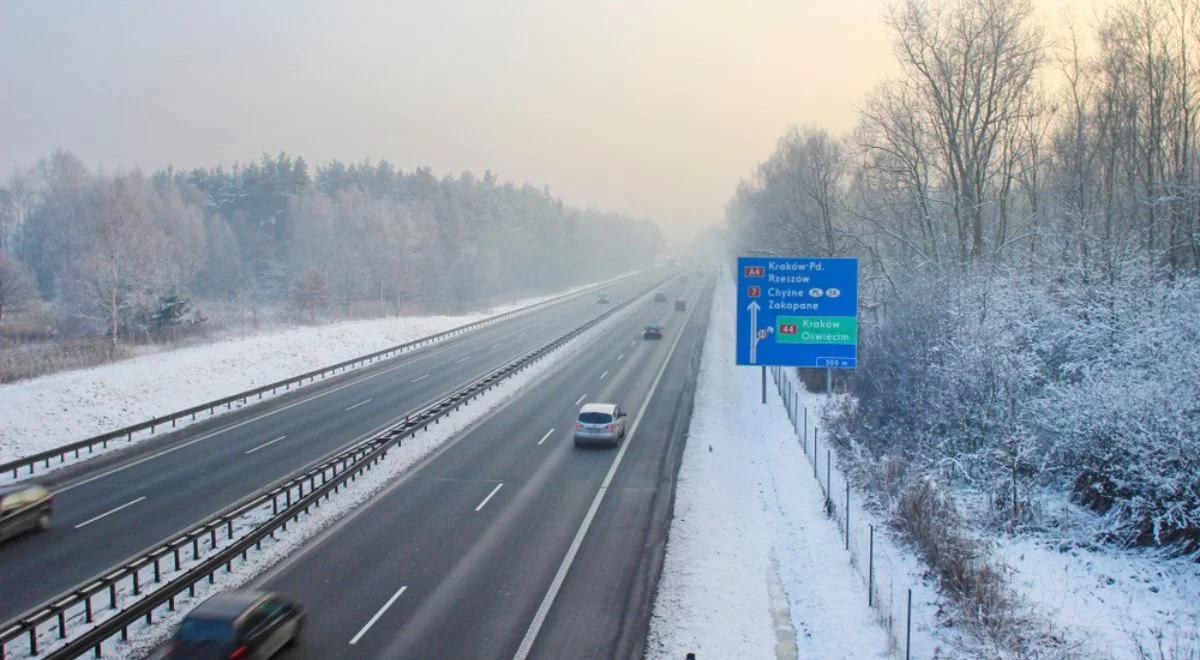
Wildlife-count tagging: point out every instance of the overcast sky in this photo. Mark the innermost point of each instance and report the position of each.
(650, 108)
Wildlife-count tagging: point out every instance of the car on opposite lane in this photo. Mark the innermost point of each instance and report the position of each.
(24, 507)
(237, 624)
(600, 422)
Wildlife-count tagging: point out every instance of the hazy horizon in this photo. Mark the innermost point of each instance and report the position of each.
(650, 110)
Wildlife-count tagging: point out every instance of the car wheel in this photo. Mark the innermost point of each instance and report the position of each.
(43, 520)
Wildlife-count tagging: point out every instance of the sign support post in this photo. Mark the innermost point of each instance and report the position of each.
(764, 385)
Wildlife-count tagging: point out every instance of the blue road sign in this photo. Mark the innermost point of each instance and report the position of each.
(797, 312)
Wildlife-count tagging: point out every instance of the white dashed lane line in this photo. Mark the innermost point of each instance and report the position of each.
(354, 640)
(109, 513)
(581, 398)
(265, 444)
(489, 496)
(360, 403)
(545, 436)
(420, 378)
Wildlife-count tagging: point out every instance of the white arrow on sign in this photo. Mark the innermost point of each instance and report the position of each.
(755, 335)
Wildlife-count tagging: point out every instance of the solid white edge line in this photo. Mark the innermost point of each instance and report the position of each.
(489, 496)
(420, 378)
(581, 398)
(604, 374)
(360, 403)
(545, 436)
(265, 444)
(109, 513)
(543, 610)
(365, 628)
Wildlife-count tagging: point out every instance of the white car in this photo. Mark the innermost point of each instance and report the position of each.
(600, 422)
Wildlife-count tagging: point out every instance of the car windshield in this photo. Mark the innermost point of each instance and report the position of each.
(205, 631)
(595, 418)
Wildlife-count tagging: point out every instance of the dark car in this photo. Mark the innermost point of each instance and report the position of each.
(24, 507)
(680, 305)
(238, 624)
(660, 297)
(652, 331)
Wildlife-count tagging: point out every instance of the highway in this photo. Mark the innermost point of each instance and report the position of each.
(117, 505)
(509, 539)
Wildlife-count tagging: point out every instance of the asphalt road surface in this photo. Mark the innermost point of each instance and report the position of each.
(509, 525)
(117, 505)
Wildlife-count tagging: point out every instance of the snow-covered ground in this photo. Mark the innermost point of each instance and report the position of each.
(39, 414)
(754, 568)
(1107, 603)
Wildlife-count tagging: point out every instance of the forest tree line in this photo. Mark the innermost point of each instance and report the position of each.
(1026, 212)
(87, 253)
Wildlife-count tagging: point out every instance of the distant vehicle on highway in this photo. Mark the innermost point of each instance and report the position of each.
(600, 422)
(237, 624)
(659, 296)
(680, 305)
(652, 331)
(602, 299)
(24, 507)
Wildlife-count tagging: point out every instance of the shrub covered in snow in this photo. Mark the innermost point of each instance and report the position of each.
(1006, 387)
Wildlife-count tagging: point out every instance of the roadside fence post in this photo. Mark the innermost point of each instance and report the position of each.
(871, 568)
(815, 461)
(828, 471)
(806, 429)
(908, 632)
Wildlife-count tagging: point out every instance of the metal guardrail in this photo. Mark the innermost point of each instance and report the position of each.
(289, 499)
(61, 453)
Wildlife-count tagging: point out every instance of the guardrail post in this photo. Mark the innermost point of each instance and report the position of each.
(87, 609)
(137, 585)
(33, 647)
(62, 624)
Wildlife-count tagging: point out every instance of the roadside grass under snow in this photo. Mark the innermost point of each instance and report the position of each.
(43, 413)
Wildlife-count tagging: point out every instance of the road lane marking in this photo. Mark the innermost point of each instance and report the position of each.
(545, 436)
(265, 444)
(543, 610)
(462, 360)
(581, 398)
(360, 403)
(420, 378)
(604, 374)
(620, 356)
(633, 343)
(109, 513)
(485, 500)
(354, 640)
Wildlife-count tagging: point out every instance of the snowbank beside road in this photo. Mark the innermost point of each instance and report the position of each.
(47, 412)
(753, 568)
